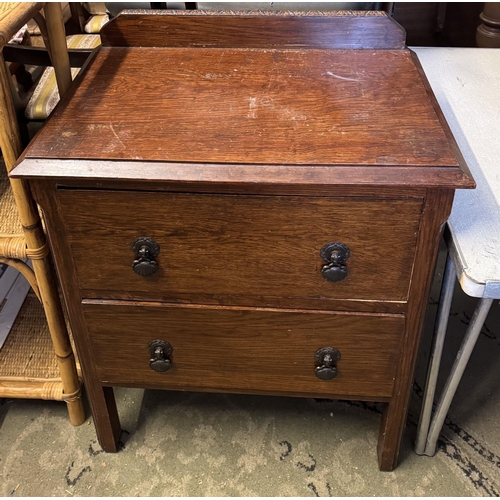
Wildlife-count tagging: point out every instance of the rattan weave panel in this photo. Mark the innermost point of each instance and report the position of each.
(28, 350)
(9, 218)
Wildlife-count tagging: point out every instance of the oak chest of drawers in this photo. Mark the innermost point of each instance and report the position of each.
(247, 203)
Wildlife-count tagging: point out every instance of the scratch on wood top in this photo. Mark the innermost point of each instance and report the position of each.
(115, 134)
(341, 77)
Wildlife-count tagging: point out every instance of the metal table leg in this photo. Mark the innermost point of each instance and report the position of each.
(442, 317)
(461, 360)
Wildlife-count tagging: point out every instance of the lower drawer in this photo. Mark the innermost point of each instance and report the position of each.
(245, 350)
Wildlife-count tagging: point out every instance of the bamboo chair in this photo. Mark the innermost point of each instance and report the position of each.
(31, 365)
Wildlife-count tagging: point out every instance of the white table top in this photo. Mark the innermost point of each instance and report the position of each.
(466, 82)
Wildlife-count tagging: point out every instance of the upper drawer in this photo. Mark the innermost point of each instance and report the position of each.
(248, 250)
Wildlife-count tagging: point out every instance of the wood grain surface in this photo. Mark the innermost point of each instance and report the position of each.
(313, 29)
(240, 106)
(436, 210)
(309, 180)
(250, 250)
(244, 349)
(446, 127)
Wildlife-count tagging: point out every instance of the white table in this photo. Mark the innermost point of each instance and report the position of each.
(466, 83)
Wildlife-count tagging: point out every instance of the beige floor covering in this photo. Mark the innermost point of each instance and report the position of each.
(188, 444)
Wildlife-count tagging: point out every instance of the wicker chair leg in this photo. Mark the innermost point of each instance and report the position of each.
(35, 240)
(58, 48)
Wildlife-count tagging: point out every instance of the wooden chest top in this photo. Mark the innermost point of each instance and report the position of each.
(318, 107)
(311, 103)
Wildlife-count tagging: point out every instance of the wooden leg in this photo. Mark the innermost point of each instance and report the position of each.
(37, 249)
(391, 431)
(104, 412)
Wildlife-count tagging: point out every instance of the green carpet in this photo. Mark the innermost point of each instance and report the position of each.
(190, 444)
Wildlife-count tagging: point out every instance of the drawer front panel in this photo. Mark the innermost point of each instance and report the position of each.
(245, 350)
(240, 250)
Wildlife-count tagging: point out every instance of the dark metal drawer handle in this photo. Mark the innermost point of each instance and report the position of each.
(335, 254)
(160, 351)
(145, 250)
(327, 358)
